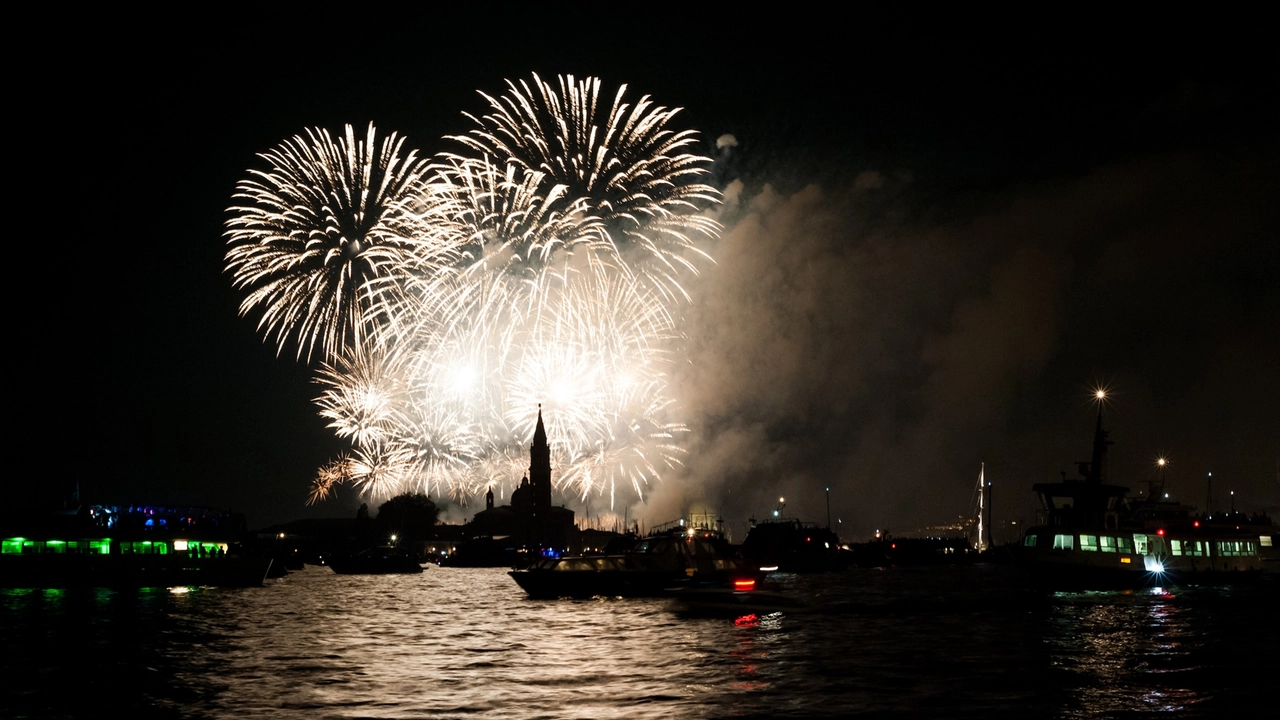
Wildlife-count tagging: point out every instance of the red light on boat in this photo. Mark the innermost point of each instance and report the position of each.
(1160, 532)
(744, 585)
(1196, 523)
(893, 546)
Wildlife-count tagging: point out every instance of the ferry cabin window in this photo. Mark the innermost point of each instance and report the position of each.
(1089, 543)
(1236, 548)
(1124, 545)
(1030, 541)
(1063, 542)
(1264, 540)
(1140, 544)
(1193, 548)
(12, 546)
(1107, 544)
(144, 548)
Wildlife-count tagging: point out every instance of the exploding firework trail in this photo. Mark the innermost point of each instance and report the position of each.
(326, 219)
(541, 264)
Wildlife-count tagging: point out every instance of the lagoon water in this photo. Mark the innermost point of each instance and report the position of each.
(953, 642)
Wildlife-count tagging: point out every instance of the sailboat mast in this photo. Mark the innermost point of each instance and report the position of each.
(990, 505)
(982, 497)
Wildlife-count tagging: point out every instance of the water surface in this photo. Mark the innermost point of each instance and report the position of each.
(465, 643)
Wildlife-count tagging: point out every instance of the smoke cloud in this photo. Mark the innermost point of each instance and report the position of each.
(847, 339)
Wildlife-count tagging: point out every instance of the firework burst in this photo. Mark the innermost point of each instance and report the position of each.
(640, 178)
(542, 264)
(325, 219)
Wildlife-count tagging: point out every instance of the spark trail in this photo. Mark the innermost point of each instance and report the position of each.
(542, 262)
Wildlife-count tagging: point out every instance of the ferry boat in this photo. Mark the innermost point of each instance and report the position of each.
(657, 566)
(129, 546)
(1091, 534)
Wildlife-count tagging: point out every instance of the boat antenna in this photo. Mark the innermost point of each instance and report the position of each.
(828, 507)
(1097, 465)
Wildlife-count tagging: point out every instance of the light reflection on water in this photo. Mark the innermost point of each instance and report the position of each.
(939, 642)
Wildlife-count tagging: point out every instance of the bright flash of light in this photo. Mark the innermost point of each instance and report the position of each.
(540, 264)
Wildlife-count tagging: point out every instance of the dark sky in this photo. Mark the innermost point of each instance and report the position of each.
(938, 239)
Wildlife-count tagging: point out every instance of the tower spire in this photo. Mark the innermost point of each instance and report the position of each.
(540, 471)
(540, 432)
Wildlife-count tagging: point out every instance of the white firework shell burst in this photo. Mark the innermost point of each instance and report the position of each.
(541, 265)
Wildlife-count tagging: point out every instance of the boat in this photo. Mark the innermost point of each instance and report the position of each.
(1092, 535)
(788, 545)
(887, 551)
(485, 551)
(743, 597)
(130, 546)
(381, 560)
(659, 565)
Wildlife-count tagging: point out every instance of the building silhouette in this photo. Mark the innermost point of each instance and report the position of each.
(530, 520)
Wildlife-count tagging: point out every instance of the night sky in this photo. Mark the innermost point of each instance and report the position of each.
(938, 241)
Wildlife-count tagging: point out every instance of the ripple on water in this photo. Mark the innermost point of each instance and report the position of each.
(950, 642)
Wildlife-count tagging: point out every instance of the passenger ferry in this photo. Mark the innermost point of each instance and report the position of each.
(1092, 535)
(128, 546)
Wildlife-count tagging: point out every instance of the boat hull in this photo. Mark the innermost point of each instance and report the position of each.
(377, 561)
(343, 567)
(1163, 560)
(550, 584)
(85, 570)
(727, 602)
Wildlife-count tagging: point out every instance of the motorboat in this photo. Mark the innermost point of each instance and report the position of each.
(656, 566)
(789, 545)
(381, 560)
(744, 596)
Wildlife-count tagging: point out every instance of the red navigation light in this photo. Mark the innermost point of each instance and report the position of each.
(1160, 532)
(893, 545)
(1196, 523)
(807, 539)
(744, 585)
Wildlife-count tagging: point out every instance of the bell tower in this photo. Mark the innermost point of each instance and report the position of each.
(540, 469)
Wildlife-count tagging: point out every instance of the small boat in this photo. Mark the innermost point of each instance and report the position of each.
(896, 552)
(381, 560)
(1092, 535)
(486, 551)
(743, 597)
(657, 566)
